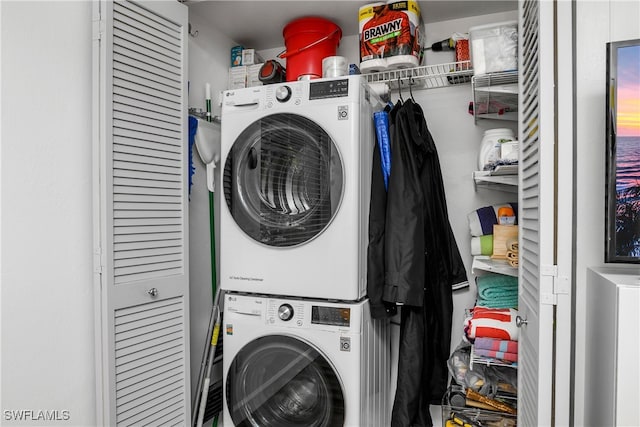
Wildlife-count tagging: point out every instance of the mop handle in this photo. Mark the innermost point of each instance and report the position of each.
(212, 355)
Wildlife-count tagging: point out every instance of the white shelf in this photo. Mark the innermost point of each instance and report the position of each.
(482, 263)
(491, 80)
(425, 77)
(497, 180)
(511, 88)
(507, 115)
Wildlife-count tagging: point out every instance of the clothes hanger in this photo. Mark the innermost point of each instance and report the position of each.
(400, 90)
(410, 91)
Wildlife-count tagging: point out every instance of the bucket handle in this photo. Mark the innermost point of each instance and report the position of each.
(284, 54)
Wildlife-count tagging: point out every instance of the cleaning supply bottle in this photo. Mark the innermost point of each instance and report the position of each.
(490, 146)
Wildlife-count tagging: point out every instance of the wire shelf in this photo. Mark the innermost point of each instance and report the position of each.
(425, 77)
(495, 96)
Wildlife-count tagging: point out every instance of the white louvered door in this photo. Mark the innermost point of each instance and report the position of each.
(141, 216)
(536, 217)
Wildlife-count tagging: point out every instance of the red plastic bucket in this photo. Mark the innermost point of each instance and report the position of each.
(308, 41)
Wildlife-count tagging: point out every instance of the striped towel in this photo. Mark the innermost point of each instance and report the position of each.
(502, 355)
(492, 323)
(496, 344)
(482, 220)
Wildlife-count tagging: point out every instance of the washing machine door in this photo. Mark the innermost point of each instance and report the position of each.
(280, 381)
(283, 180)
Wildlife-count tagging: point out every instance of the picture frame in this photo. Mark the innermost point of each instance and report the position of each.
(622, 217)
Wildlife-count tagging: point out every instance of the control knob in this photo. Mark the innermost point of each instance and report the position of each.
(285, 312)
(283, 93)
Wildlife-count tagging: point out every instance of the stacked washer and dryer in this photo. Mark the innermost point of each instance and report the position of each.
(300, 346)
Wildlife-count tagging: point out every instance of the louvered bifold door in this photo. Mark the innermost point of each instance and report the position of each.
(141, 217)
(536, 216)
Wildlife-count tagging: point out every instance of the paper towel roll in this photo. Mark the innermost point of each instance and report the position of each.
(373, 66)
(335, 66)
(413, 45)
(381, 89)
(370, 50)
(402, 61)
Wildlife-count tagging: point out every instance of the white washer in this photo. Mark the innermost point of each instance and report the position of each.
(294, 362)
(297, 175)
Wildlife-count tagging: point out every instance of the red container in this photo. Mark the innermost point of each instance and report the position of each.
(308, 41)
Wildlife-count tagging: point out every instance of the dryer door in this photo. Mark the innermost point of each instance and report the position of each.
(283, 180)
(279, 381)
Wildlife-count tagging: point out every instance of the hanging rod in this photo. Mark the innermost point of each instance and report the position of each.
(427, 76)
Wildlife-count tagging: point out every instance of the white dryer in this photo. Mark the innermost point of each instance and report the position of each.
(297, 174)
(295, 362)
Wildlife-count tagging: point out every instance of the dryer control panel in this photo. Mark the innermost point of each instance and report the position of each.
(329, 89)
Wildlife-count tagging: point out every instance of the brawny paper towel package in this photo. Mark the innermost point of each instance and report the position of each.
(390, 35)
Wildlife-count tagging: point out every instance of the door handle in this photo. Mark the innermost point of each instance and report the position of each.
(153, 292)
(521, 321)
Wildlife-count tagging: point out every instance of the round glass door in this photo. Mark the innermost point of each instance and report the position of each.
(279, 381)
(283, 180)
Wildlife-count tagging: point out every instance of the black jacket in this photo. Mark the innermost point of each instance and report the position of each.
(414, 261)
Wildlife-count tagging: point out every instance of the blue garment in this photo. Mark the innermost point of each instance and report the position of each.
(381, 120)
(193, 127)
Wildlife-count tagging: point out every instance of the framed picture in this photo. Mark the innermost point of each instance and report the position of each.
(623, 152)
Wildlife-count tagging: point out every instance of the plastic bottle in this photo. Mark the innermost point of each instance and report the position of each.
(490, 145)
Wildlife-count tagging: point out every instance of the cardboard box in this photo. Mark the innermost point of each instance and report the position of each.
(236, 56)
(253, 71)
(237, 77)
(250, 57)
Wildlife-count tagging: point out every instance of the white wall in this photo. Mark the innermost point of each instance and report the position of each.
(597, 22)
(47, 277)
(208, 63)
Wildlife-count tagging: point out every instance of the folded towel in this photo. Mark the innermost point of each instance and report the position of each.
(481, 221)
(513, 263)
(492, 323)
(502, 355)
(512, 245)
(496, 344)
(512, 255)
(497, 291)
(482, 245)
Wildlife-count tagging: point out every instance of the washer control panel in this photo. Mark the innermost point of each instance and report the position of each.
(334, 316)
(305, 314)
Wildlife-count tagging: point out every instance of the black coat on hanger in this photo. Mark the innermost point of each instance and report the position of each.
(422, 264)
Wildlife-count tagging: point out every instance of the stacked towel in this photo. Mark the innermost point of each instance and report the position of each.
(482, 245)
(497, 348)
(502, 355)
(482, 220)
(497, 291)
(496, 344)
(512, 252)
(492, 323)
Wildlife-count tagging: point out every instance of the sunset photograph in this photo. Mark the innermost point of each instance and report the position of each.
(628, 152)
